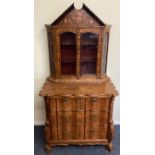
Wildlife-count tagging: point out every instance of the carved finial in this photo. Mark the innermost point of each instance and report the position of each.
(78, 5)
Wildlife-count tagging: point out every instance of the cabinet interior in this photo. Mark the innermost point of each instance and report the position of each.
(88, 53)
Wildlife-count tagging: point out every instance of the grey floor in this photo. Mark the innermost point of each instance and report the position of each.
(74, 150)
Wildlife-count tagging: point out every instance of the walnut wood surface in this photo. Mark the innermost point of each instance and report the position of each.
(75, 89)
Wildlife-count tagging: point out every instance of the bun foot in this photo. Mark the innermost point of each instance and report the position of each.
(109, 147)
(48, 148)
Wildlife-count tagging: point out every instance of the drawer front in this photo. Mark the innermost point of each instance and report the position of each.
(93, 104)
(93, 117)
(66, 132)
(68, 104)
(66, 118)
(65, 104)
(80, 103)
(80, 117)
(79, 132)
(92, 132)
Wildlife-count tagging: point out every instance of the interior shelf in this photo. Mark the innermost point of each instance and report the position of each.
(86, 43)
(68, 44)
(88, 60)
(68, 60)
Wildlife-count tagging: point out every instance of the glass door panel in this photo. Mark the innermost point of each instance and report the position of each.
(68, 53)
(88, 53)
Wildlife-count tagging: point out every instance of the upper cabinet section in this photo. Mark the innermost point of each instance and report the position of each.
(78, 45)
(81, 17)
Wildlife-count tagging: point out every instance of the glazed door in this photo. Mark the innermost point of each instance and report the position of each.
(90, 42)
(88, 53)
(68, 53)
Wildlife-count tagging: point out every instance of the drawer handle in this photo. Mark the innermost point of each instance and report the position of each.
(65, 100)
(66, 119)
(93, 117)
(93, 100)
(92, 130)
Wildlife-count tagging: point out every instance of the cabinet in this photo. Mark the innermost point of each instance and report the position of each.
(78, 94)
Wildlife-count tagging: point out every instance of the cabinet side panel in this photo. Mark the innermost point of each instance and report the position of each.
(105, 43)
(51, 44)
(53, 119)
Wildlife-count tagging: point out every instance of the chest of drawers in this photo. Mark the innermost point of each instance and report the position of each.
(78, 113)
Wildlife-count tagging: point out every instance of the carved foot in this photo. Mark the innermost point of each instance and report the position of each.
(109, 146)
(48, 148)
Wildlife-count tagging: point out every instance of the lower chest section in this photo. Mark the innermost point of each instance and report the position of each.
(78, 118)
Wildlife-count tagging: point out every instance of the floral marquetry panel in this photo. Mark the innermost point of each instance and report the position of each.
(80, 17)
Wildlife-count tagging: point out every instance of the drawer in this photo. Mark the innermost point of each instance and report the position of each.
(104, 131)
(80, 103)
(66, 132)
(93, 103)
(65, 104)
(79, 132)
(80, 117)
(66, 117)
(93, 117)
(92, 132)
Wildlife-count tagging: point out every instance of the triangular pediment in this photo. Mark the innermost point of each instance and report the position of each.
(82, 17)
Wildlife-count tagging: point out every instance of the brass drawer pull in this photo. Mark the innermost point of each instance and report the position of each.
(93, 117)
(65, 100)
(66, 119)
(92, 130)
(93, 100)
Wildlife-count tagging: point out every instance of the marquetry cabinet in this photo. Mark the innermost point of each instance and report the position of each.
(78, 94)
